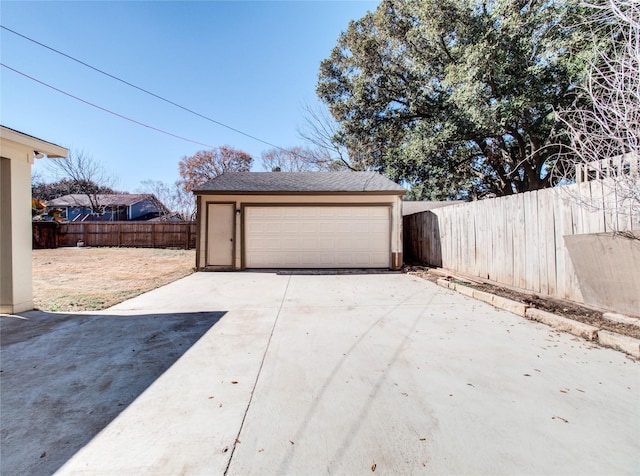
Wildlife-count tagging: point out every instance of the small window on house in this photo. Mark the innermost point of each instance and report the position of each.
(626, 168)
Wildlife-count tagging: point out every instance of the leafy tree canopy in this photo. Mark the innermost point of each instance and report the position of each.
(455, 97)
(208, 164)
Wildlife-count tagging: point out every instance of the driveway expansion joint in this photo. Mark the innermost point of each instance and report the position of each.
(255, 383)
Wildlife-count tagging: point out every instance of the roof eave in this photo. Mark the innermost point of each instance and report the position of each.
(253, 192)
(51, 150)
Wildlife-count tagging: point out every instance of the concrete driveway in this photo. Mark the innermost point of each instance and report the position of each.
(258, 373)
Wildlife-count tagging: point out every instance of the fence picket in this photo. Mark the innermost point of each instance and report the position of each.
(518, 240)
(126, 234)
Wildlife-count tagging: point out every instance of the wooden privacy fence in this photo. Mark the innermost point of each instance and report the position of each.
(517, 240)
(119, 233)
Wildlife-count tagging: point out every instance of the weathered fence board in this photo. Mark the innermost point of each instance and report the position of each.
(517, 240)
(124, 234)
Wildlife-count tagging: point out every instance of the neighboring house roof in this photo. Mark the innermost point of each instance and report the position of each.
(106, 200)
(409, 208)
(171, 217)
(300, 182)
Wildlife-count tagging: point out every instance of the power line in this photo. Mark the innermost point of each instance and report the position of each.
(168, 101)
(105, 109)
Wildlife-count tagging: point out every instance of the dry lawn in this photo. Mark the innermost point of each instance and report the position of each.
(83, 279)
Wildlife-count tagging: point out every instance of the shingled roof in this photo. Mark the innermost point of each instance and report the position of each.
(106, 200)
(300, 182)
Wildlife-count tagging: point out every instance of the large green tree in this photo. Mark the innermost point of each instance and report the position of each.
(455, 97)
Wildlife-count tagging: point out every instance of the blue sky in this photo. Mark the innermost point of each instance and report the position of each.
(250, 65)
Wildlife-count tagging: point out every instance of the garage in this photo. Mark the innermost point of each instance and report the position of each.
(299, 220)
(317, 237)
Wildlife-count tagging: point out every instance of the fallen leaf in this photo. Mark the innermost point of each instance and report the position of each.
(260, 450)
(404, 394)
(225, 449)
(563, 390)
(373, 467)
(423, 439)
(210, 397)
(291, 442)
(560, 418)
(471, 385)
(43, 454)
(527, 375)
(579, 390)
(234, 382)
(238, 440)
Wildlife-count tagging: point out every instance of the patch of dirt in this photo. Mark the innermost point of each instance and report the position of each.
(562, 308)
(89, 279)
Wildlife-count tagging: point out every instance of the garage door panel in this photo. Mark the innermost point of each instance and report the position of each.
(378, 228)
(256, 212)
(307, 246)
(327, 227)
(326, 244)
(309, 213)
(272, 212)
(272, 245)
(323, 212)
(273, 227)
(317, 237)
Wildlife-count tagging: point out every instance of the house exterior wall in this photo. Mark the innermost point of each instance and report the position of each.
(394, 201)
(16, 158)
(17, 290)
(115, 213)
(143, 207)
(75, 212)
(109, 213)
(138, 209)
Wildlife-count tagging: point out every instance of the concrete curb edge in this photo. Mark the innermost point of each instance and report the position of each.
(619, 342)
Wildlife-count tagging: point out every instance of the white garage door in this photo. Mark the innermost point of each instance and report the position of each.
(317, 237)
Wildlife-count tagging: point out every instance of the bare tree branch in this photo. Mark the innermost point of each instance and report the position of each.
(295, 159)
(605, 137)
(321, 131)
(87, 174)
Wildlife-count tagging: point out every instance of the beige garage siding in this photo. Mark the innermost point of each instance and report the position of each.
(317, 236)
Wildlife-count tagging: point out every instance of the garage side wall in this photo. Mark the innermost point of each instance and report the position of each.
(393, 201)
